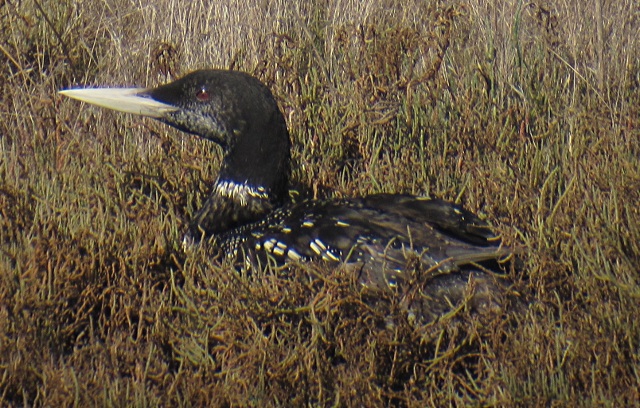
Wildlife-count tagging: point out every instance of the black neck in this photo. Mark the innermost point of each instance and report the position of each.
(253, 179)
(260, 158)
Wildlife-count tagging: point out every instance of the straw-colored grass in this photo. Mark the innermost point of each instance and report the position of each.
(527, 113)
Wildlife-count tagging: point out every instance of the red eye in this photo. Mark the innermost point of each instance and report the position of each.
(202, 95)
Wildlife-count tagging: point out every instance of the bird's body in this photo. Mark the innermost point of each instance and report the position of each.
(376, 232)
(247, 216)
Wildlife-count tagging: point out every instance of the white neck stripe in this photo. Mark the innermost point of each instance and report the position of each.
(238, 191)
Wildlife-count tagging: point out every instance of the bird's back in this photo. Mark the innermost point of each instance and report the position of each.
(379, 235)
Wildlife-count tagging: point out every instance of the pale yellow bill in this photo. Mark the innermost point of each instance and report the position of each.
(126, 100)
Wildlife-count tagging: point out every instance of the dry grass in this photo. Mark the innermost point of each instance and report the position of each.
(526, 112)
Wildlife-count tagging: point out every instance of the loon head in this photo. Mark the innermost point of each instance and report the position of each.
(232, 109)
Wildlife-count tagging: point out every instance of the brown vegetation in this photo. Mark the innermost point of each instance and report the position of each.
(528, 113)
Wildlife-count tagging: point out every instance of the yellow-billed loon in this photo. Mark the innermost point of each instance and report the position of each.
(250, 219)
